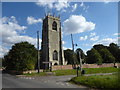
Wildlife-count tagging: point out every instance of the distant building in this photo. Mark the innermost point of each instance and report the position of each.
(51, 46)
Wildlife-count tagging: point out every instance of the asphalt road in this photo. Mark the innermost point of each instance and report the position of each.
(10, 81)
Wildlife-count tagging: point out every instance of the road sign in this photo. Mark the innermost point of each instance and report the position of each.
(47, 62)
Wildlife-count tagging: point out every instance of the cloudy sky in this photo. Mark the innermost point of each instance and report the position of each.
(90, 22)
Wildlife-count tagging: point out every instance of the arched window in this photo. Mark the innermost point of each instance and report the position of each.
(55, 64)
(54, 26)
(55, 55)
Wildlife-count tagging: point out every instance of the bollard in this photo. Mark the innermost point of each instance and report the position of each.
(83, 72)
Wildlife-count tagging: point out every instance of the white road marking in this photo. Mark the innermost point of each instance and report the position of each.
(27, 78)
(62, 84)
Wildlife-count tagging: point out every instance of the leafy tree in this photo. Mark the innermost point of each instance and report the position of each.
(114, 49)
(107, 56)
(118, 55)
(82, 55)
(98, 47)
(70, 56)
(22, 56)
(93, 57)
(105, 53)
(0, 62)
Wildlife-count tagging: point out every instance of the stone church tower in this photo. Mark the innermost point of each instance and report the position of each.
(51, 42)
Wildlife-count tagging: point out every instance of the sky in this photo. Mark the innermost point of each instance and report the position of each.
(90, 23)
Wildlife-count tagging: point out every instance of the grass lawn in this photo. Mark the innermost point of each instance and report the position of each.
(87, 71)
(98, 81)
(73, 71)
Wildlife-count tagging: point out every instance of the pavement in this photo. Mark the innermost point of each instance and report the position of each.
(100, 74)
(10, 81)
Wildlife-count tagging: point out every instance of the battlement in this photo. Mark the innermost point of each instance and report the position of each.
(52, 17)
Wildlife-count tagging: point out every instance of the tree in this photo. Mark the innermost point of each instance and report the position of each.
(82, 55)
(114, 49)
(70, 56)
(107, 56)
(105, 53)
(22, 56)
(98, 47)
(93, 57)
(118, 55)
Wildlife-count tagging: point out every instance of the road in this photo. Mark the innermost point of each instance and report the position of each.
(10, 81)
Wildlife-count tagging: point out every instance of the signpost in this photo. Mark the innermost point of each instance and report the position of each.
(80, 61)
(50, 65)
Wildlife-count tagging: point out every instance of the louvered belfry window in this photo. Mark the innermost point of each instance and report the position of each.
(54, 26)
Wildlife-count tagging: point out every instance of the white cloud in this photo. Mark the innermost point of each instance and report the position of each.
(63, 42)
(65, 48)
(84, 38)
(10, 27)
(106, 1)
(3, 51)
(10, 33)
(82, 4)
(92, 34)
(57, 4)
(46, 3)
(116, 34)
(63, 10)
(74, 7)
(61, 5)
(77, 24)
(94, 38)
(107, 41)
(32, 20)
(85, 7)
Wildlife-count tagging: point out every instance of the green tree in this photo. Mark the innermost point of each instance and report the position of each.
(70, 56)
(93, 57)
(105, 53)
(118, 56)
(107, 56)
(114, 49)
(98, 47)
(22, 56)
(82, 55)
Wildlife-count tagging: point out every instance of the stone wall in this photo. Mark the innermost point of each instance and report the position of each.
(57, 67)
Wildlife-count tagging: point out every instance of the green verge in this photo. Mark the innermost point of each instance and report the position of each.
(87, 71)
(73, 71)
(98, 81)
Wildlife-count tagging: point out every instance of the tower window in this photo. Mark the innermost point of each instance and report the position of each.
(54, 26)
(55, 55)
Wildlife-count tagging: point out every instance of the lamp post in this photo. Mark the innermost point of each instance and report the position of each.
(73, 49)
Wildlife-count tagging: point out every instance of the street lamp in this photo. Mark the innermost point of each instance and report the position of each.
(73, 48)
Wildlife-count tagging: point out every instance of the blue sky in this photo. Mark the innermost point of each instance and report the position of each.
(90, 22)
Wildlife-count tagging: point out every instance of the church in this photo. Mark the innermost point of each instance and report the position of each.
(51, 46)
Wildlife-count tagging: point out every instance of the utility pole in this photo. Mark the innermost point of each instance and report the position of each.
(72, 42)
(38, 52)
(73, 50)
